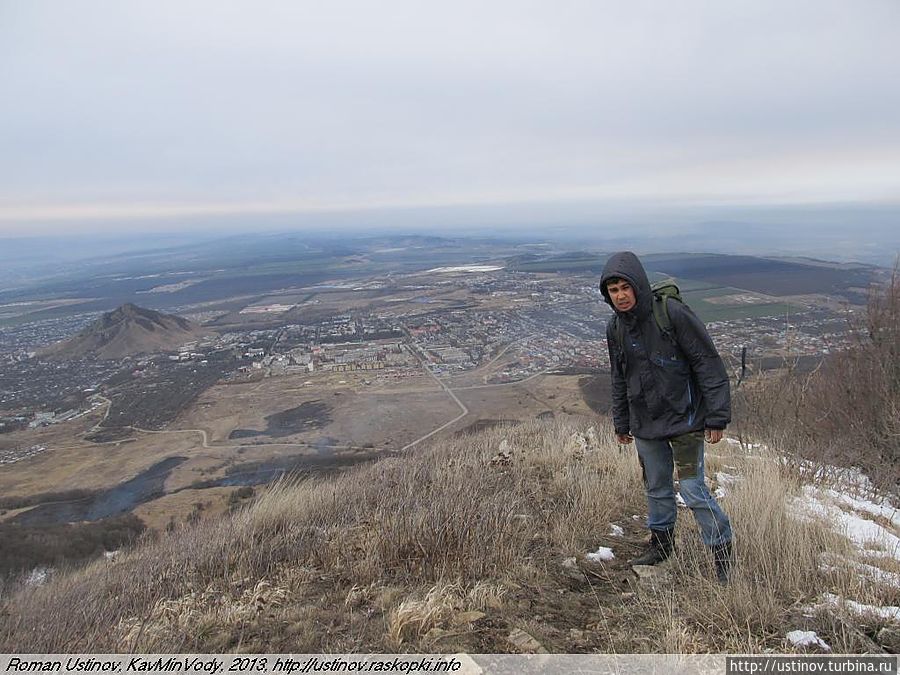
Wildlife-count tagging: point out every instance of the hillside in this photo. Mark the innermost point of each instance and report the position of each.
(479, 544)
(127, 331)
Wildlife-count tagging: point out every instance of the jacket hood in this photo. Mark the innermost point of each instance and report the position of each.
(625, 265)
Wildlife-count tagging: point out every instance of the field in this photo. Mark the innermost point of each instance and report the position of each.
(242, 433)
(340, 410)
(772, 277)
(724, 303)
(69, 462)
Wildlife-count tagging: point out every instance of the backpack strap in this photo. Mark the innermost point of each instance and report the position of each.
(661, 314)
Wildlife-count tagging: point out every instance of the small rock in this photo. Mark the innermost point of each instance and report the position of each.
(525, 642)
(501, 459)
(493, 602)
(467, 617)
(571, 570)
(504, 447)
(579, 441)
(435, 634)
(652, 575)
(580, 444)
(889, 638)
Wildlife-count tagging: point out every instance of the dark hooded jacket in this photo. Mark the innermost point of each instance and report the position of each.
(662, 385)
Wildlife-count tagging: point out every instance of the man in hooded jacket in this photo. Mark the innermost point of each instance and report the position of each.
(670, 391)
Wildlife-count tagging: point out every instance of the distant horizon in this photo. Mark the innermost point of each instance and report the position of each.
(839, 231)
(821, 234)
(435, 117)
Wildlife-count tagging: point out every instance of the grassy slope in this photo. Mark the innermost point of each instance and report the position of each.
(397, 555)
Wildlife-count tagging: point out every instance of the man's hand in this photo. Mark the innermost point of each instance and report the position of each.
(714, 435)
(624, 439)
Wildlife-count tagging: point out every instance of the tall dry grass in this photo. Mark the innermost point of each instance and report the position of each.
(778, 579)
(395, 555)
(446, 513)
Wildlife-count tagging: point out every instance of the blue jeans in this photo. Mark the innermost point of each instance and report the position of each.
(658, 460)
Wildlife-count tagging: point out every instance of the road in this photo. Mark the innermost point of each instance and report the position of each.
(442, 385)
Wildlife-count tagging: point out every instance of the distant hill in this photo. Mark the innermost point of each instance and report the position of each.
(570, 261)
(126, 331)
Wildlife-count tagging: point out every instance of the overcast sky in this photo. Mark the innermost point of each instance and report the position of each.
(135, 111)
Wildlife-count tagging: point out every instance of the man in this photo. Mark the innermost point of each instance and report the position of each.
(669, 390)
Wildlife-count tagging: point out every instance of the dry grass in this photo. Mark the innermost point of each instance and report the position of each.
(775, 582)
(847, 412)
(447, 548)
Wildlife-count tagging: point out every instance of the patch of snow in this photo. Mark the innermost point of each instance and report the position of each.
(109, 555)
(888, 613)
(865, 534)
(807, 638)
(720, 492)
(636, 517)
(616, 531)
(679, 500)
(727, 478)
(38, 576)
(883, 510)
(602, 554)
(831, 562)
(748, 445)
(851, 478)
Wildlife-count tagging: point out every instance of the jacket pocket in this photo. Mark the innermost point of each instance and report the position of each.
(674, 383)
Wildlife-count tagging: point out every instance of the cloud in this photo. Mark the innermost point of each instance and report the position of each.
(170, 107)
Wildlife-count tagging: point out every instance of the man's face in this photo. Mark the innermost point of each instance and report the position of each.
(622, 295)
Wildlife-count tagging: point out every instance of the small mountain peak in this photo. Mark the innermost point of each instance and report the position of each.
(130, 310)
(128, 329)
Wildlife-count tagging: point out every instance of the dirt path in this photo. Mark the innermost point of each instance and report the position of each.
(442, 385)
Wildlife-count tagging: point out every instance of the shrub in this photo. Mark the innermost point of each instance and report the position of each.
(846, 412)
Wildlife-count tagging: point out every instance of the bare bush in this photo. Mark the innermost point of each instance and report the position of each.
(847, 412)
(26, 547)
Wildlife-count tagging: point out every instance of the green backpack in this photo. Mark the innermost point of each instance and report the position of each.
(662, 291)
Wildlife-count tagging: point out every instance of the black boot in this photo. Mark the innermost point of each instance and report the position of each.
(662, 543)
(723, 558)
